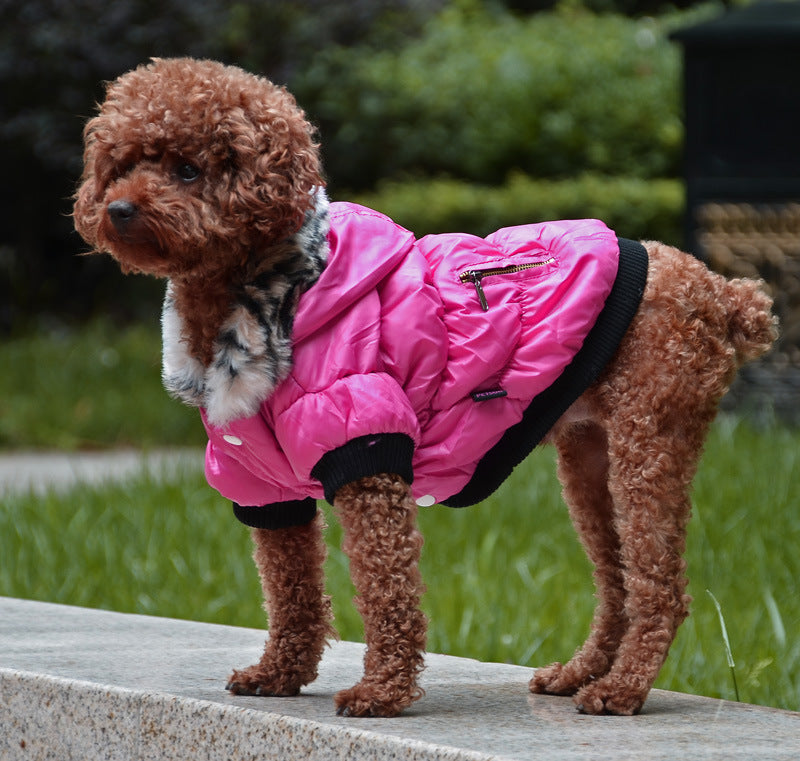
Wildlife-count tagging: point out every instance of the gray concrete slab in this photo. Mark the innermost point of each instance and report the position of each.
(89, 684)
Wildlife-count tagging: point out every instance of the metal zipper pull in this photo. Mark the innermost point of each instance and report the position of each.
(474, 276)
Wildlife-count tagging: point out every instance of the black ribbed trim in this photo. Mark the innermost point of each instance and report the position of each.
(365, 456)
(541, 415)
(295, 512)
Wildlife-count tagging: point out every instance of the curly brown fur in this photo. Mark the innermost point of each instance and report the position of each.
(378, 516)
(196, 171)
(290, 564)
(381, 539)
(628, 450)
(201, 173)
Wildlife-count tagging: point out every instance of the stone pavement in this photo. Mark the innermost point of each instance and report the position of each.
(39, 471)
(89, 684)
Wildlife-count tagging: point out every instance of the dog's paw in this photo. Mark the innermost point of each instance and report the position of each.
(369, 699)
(588, 666)
(256, 680)
(555, 679)
(610, 696)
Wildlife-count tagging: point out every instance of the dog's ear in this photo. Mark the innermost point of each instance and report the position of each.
(276, 165)
(86, 212)
(103, 155)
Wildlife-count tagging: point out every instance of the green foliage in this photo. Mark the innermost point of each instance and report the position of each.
(484, 93)
(507, 580)
(636, 208)
(96, 388)
(300, 29)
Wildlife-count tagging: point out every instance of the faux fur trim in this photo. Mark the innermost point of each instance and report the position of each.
(253, 351)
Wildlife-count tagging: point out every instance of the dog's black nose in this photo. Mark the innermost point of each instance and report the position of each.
(121, 212)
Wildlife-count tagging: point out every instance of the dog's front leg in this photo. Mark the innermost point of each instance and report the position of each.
(290, 564)
(383, 543)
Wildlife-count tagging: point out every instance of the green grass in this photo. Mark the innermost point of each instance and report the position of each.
(97, 387)
(507, 580)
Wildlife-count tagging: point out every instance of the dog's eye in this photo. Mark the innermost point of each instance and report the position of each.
(187, 172)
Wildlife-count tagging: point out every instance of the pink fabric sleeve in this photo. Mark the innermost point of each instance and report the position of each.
(354, 406)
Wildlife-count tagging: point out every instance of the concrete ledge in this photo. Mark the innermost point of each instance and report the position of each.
(41, 471)
(89, 684)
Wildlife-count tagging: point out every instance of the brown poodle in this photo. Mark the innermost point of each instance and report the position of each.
(204, 174)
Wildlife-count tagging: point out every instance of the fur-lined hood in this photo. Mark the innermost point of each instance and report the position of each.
(252, 353)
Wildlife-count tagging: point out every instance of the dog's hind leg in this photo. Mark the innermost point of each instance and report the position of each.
(658, 398)
(383, 543)
(290, 563)
(650, 487)
(583, 472)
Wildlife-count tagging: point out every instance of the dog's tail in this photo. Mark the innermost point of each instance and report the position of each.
(752, 328)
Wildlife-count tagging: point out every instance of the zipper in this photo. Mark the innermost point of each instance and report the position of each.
(476, 276)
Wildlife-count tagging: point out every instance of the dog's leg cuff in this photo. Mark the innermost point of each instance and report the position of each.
(365, 456)
(296, 512)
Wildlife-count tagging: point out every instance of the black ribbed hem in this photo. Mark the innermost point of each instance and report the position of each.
(541, 415)
(295, 512)
(365, 456)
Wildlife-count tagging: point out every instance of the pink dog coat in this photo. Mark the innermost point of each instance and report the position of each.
(444, 360)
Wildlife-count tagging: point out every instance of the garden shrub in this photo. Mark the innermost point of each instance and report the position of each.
(481, 94)
(634, 207)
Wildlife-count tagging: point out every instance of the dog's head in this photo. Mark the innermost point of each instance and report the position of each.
(190, 166)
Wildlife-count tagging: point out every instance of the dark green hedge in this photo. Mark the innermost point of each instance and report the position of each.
(634, 207)
(481, 94)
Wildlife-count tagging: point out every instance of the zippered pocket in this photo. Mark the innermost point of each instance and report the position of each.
(477, 276)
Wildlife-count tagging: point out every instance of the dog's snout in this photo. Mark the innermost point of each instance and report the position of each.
(121, 212)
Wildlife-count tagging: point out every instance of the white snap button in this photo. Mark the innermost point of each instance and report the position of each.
(231, 439)
(427, 501)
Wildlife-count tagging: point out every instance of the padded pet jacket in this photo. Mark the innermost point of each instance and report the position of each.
(444, 360)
